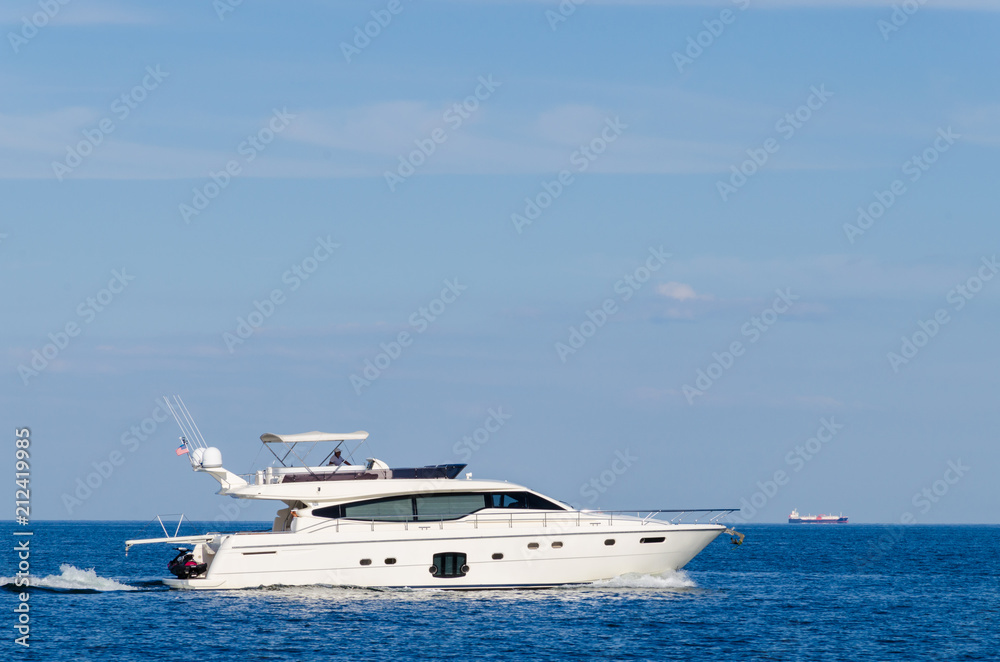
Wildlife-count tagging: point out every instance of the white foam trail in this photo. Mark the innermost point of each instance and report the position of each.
(72, 578)
(674, 579)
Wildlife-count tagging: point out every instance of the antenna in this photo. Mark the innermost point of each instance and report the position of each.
(185, 422)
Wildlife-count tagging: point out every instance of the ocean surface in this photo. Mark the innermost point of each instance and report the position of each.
(790, 592)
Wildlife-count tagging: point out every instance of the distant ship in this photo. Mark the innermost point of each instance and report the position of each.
(795, 518)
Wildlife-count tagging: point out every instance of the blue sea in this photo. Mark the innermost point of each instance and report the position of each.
(790, 592)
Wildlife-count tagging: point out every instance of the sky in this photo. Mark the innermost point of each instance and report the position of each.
(632, 255)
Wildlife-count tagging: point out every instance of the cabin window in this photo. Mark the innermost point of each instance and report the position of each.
(506, 500)
(390, 561)
(556, 545)
(522, 500)
(392, 509)
(449, 564)
(609, 542)
(395, 509)
(366, 561)
(650, 540)
(448, 506)
(497, 556)
(532, 545)
(433, 507)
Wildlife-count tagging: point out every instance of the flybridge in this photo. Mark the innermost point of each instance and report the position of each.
(292, 459)
(314, 438)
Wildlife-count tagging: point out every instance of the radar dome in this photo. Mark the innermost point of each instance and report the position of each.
(212, 458)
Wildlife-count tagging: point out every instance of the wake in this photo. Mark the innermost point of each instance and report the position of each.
(70, 580)
(673, 579)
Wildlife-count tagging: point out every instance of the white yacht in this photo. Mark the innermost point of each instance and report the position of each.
(371, 525)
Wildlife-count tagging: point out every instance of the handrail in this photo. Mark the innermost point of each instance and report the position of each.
(512, 516)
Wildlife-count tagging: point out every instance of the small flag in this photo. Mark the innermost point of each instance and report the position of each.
(182, 449)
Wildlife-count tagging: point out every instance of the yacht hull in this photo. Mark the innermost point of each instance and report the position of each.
(495, 556)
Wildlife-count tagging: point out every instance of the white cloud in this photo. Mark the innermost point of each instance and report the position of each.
(679, 291)
(828, 276)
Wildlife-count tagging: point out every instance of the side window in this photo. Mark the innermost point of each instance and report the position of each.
(394, 509)
(522, 500)
(433, 506)
(333, 512)
(536, 502)
(508, 500)
(448, 506)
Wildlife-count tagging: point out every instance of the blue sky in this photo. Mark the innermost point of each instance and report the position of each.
(117, 118)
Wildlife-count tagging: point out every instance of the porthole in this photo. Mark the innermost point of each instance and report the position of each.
(497, 556)
(390, 561)
(650, 540)
(366, 561)
(556, 545)
(609, 542)
(532, 545)
(434, 570)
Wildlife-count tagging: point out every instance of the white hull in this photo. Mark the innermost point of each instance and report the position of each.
(329, 556)
(371, 525)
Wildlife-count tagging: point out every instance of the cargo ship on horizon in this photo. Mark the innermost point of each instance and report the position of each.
(795, 518)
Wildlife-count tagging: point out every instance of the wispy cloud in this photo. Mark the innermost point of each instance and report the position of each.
(980, 124)
(680, 292)
(960, 5)
(47, 132)
(79, 14)
(826, 276)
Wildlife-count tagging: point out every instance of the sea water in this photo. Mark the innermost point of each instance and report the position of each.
(790, 592)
